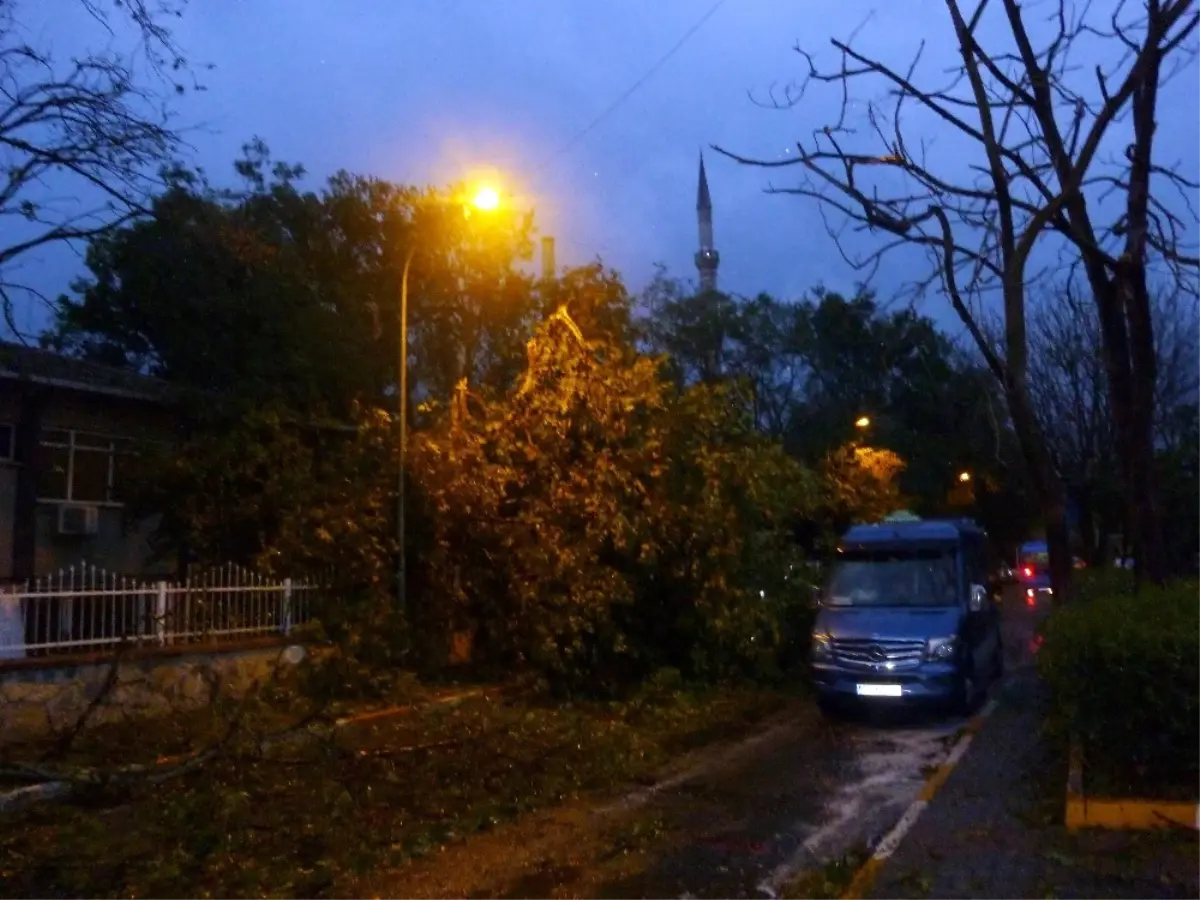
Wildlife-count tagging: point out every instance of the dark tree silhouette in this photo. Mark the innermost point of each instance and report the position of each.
(82, 138)
(1042, 126)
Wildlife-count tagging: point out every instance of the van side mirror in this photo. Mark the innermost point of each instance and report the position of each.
(978, 598)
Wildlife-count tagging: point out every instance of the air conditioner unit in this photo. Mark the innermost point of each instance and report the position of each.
(75, 518)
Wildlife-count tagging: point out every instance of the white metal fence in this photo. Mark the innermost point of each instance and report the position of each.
(83, 608)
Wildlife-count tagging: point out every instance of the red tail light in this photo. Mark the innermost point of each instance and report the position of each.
(1028, 572)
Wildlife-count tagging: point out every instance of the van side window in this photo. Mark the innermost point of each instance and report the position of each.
(975, 563)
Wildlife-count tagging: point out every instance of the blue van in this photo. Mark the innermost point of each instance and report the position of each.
(909, 615)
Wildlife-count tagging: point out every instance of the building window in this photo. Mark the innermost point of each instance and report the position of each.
(78, 467)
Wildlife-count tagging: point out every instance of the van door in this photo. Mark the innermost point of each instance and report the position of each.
(982, 627)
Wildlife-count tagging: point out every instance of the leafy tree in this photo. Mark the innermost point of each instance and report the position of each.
(597, 524)
(596, 300)
(816, 365)
(292, 498)
(692, 329)
(276, 296)
(861, 484)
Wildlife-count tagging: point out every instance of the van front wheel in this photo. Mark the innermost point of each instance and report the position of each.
(969, 695)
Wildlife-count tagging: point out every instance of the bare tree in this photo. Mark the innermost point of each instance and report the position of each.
(81, 139)
(1069, 390)
(1069, 387)
(1041, 135)
(1176, 318)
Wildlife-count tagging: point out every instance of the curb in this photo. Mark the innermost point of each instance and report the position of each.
(864, 878)
(1130, 813)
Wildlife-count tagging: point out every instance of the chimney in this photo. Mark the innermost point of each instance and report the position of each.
(548, 265)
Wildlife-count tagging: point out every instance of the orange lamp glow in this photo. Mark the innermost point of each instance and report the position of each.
(486, 199)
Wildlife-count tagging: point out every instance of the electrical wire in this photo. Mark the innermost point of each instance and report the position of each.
(612, 107)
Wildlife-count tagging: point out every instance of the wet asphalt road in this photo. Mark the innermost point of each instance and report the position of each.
(808, 795)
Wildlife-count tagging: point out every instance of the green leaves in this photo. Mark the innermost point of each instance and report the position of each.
(600, 523)
(284, 297)
(812, 367)
(1123, 670)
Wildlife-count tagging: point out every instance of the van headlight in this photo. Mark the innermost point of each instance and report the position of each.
(821, 648)
(941, 649)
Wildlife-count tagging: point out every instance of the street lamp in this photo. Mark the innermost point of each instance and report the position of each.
(964, 477)
(862, 422)
(486, 199)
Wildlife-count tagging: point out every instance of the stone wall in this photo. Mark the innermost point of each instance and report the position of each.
(39, 702)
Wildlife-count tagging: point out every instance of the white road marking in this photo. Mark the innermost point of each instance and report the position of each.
(890, 770)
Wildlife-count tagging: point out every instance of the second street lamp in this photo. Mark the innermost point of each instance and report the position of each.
(486, 199)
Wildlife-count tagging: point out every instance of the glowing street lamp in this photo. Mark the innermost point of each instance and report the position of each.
(964, 477)
(862, 422)
(485, 199)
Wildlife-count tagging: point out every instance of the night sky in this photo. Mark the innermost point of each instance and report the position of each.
(429, 91)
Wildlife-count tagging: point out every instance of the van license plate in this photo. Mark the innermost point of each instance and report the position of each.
(880, 690)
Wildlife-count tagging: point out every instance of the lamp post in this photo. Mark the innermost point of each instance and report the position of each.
(486, 199)
(402, 413)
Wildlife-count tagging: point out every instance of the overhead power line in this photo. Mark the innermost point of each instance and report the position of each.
(633, 89)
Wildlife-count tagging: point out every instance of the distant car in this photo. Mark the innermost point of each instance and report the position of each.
(1033, 570)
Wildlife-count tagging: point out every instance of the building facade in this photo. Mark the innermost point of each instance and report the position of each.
(68, 430)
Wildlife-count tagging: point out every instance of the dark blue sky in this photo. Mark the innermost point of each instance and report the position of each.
(427, 91)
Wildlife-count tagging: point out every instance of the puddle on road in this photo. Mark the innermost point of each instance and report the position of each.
(889, 767)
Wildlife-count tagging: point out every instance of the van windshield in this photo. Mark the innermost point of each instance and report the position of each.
(917, 577)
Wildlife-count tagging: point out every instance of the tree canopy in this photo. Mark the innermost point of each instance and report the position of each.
(602, 485)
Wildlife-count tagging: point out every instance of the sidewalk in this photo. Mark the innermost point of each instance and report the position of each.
(994, 828)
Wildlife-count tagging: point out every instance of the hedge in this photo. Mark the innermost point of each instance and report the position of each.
(1123, 674)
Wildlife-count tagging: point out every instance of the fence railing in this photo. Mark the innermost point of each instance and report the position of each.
(85, 608)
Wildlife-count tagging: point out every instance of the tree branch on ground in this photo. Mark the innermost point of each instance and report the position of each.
(236, 727)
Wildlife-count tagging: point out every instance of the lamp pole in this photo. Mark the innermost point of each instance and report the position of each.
(402, 406)
(487, 199)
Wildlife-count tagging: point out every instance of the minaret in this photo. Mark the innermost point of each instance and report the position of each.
(707, 258)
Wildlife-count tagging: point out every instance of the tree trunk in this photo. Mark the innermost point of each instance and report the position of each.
(1131, 368)
(1048, 488)
(1091, 548)
(1145, 511)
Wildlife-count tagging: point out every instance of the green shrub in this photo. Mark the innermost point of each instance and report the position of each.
(1123, 673)
(1104, 582)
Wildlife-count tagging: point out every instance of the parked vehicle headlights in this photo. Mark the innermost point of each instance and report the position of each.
(820, 647)
(941, 649)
